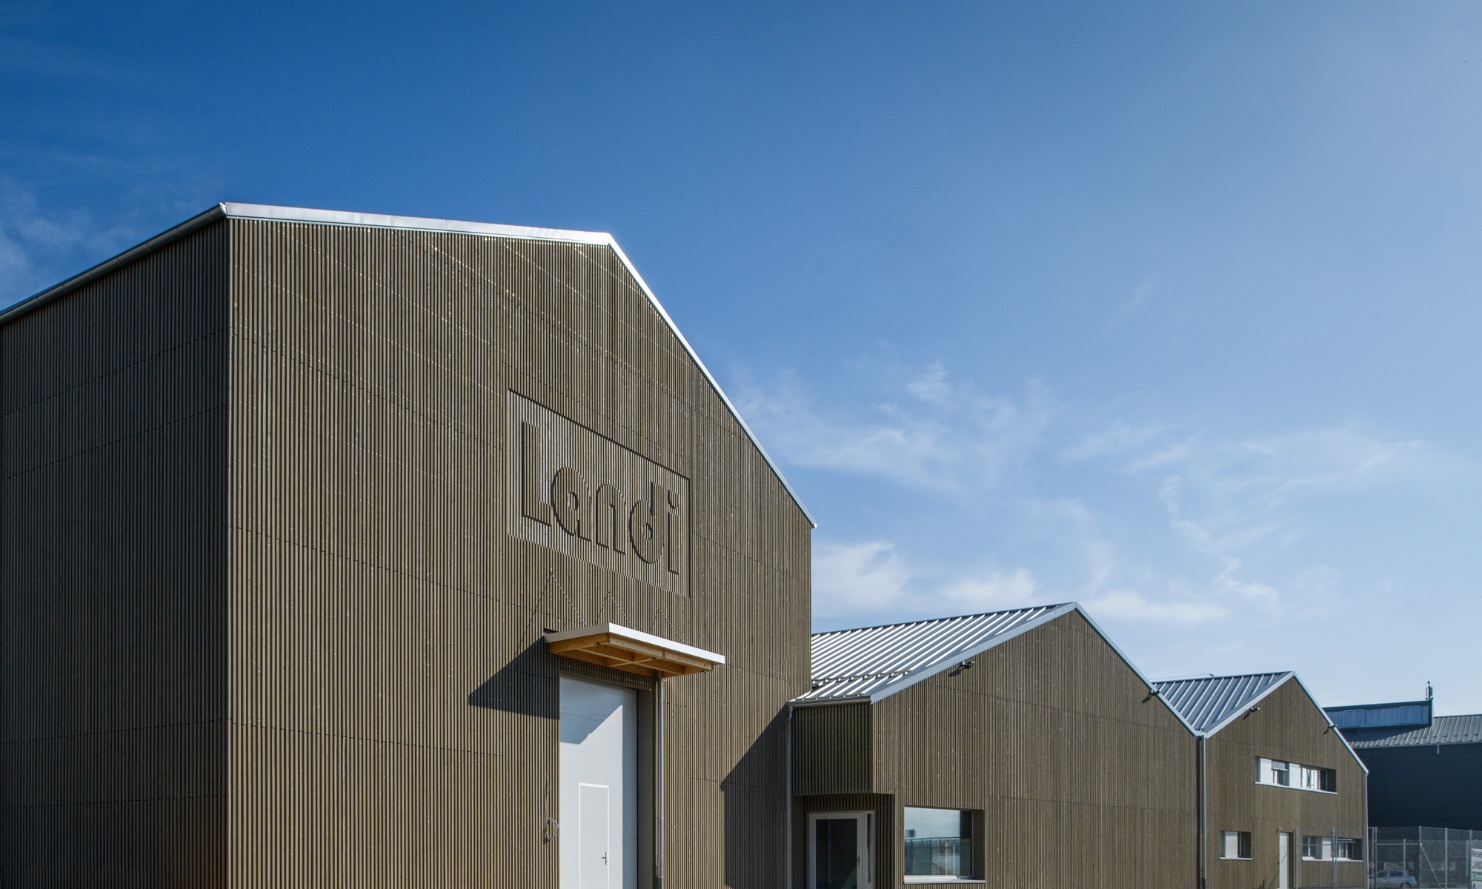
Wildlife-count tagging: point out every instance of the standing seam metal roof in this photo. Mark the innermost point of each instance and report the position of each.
(871, 662)
(1208, 702)
(1443, 730)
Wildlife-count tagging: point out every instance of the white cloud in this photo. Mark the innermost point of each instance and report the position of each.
(934, 435)
(993, 591)
(855, 578)
(870, 581)
(931, 385)
(37, 247)
(976, 470)
(1132, 606)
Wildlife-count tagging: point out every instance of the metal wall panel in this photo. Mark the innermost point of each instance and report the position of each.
(1289, 727)
(113, 633)
(393, 708)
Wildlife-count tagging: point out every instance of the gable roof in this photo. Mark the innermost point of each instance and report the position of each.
(1209, 703)
(404, 223)
(1443, 730)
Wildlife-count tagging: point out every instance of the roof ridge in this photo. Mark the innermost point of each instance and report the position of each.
(928, 620)
(1208, 677)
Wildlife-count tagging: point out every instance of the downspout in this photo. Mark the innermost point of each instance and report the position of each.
(1368, 831)
(787, 822)
(1203, 815)
(659, 787)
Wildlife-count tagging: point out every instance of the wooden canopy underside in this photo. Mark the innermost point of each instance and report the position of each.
(632, 651)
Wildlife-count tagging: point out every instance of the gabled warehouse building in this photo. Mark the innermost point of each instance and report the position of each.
(344, 550)
(291, 502)
(1281, 794)
(1018, 748)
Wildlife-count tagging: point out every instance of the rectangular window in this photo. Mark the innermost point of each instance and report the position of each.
(938, 843)
(1290, 774)
(1331, 849)
(1235, 844)
(1309, 778)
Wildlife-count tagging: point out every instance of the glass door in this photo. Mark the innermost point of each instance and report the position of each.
(841, 851)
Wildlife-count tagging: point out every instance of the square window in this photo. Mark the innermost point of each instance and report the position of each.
(938, 843)
(1235, 844)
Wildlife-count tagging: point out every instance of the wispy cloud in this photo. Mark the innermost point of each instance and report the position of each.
(928, 433)
(1130, 605)
(858, 578)
(37, 247)
(1230, 503)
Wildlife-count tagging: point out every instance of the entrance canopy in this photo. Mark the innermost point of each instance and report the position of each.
(621, 648)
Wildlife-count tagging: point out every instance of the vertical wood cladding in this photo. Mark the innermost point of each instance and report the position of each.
(393, 708)
(113, 622)
(1289, 727)
(832, 749)
(1083, 779)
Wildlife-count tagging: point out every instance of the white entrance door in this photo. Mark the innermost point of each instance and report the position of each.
(1284, 861)
(599, 786)
(841, 851)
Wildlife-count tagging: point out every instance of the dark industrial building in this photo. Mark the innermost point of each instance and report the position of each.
(1018, 748)
(1424, 770)
(344, 550)
(1281, 795)
(291, 502)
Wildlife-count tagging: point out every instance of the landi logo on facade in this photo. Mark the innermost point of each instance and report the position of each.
(583, 494)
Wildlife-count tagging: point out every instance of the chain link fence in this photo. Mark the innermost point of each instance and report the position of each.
(1423, 857)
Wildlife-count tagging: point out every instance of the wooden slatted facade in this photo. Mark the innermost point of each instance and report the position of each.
(263, 619)
(1082, 777)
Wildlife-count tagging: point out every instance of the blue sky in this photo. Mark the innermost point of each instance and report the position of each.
(1168, 308)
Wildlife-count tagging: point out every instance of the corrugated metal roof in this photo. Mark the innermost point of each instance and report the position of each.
(1207, 702)
(871, 662)
(1443, 730)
